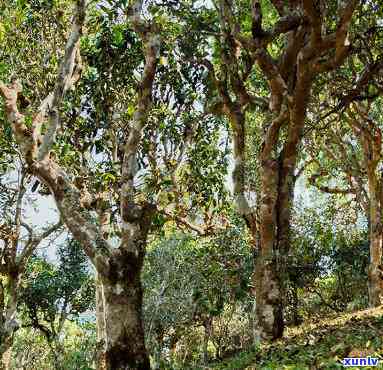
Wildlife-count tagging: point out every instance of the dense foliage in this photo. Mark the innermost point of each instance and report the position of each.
(215, 169)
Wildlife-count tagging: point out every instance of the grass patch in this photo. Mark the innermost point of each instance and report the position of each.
(317, 345)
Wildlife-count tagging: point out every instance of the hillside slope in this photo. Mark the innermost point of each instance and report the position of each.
(320, 345)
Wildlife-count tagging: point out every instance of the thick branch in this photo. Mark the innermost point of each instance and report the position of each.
(271, 71)
(219, 85)
(287, 60)
(342, 44)
(236, 113)
(17, 120)
(285, 24)
(314, 14)
(237, 119)
(256, 15)
(184, 222)
(64, 79)
(303, 168)
(326, 189)
(367, 75)
(78, 219)
(129, 166)
(19, 201)
(34, 241)
(279, 5)
(272, 134)
(68, 198)
(139, 118)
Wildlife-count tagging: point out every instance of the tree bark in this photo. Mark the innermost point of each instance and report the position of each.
(8, 321)
(5, 348)
(268, 290)
(100, 319)
(122, 345)
(6, 359)
(296, 319)
(375, 271)
(120, 291)
(370, 137)
(208, 326)
(57, 352)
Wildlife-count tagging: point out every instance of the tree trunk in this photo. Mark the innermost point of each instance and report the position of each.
(296, 318)
(207, 325)
(57, 352)
(5, 348)
(375, 271)
(123, 345)
(269, 310)
(268, 290)
(6, 359)
(6, 341)
(100, 319)
(276, 202)
(8, 323)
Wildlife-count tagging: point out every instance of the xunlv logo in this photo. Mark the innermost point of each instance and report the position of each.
(360, 361)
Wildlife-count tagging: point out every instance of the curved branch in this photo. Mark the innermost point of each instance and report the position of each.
(34, 241)
(64, 81)
(327, 189)
(339, 39)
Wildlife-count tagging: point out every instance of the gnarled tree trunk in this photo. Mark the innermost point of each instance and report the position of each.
(306, 53)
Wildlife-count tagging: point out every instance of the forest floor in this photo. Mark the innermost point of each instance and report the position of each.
(318, 345)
